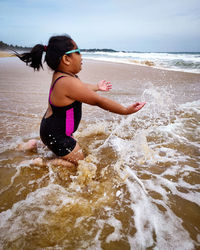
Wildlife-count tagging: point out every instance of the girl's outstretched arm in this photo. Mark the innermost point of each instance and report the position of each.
(76, 90)
(103, 85)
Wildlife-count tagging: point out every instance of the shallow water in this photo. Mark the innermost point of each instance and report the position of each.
(138, 187)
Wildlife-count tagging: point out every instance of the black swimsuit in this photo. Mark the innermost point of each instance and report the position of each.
(56, 131)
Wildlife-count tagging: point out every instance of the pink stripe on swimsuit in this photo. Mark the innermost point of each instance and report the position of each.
(69, 122)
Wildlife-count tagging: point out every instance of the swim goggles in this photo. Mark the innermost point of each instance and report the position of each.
(73, 51)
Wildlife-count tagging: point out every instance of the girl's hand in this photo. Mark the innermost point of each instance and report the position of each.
(135, 107)
(104, 85)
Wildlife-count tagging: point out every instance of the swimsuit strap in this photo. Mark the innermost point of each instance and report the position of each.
(56, 82)
(53, 87)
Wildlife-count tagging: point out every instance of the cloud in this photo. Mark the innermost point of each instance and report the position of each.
(134, 24)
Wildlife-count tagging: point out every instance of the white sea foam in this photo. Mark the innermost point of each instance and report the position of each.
(188, 62)
(154, 153)
(149, 221)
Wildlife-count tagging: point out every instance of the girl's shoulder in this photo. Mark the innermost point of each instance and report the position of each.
(63, 81)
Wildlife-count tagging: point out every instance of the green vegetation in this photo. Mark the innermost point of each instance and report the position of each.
(98, 50)
(5, 46)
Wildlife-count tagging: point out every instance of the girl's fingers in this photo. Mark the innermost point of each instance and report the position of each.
(135, 107)
(140, 105)
(104, 85)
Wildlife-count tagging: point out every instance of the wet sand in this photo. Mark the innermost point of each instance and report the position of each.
(136, 77)
(24, 93)
(138, 187)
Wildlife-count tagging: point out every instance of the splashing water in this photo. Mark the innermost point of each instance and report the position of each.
(137, 188)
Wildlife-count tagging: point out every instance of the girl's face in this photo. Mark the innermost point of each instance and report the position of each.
(76, 60)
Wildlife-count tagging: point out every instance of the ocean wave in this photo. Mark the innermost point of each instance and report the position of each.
(186, 62)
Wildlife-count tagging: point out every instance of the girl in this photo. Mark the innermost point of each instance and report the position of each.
(66, 95)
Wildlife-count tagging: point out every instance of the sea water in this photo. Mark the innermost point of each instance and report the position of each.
(138, 187)
(184, 61)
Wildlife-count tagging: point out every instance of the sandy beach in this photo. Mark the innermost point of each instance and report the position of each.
(129, 82)
(5, 53)
(139, 184)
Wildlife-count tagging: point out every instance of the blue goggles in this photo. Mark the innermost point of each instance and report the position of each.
(73, 51)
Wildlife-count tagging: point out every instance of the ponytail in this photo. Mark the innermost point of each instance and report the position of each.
(34, 57)
(56, 48)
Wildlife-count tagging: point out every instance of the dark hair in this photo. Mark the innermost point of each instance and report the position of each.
(56, 48)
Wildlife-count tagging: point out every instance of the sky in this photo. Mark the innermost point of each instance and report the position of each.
(129, 25)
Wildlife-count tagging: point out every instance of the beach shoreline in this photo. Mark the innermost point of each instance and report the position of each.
(144, 162)
(138, 76)
(138, 66)
(96, 69)
(144, 63)
(129, 82)
(5, 53)
(93, 71)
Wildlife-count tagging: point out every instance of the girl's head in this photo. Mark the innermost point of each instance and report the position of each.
(56, 48)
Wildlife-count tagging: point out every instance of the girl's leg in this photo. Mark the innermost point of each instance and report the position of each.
(69, 160)
(60, 162)
(66, 161)
(28, 146)
(55, 162)
(75, 155)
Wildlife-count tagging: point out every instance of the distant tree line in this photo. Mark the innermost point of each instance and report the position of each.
(98, 50)
(5, 46)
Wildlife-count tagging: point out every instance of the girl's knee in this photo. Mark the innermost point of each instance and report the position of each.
(75, 156)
